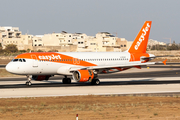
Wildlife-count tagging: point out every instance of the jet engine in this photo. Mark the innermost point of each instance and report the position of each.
(83, 75)
(40, 77)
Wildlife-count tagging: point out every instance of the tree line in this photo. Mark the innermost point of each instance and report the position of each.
(164, 47)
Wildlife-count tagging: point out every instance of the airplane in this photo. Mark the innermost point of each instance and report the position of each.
(82, 66)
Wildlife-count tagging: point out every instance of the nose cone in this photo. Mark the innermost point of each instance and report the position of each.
(12, 68)
(9, 68)
(15, 68)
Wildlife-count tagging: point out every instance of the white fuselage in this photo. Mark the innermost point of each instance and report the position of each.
(50, 67)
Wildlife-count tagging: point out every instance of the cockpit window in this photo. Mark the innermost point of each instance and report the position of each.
(20, 60)
(15, 60)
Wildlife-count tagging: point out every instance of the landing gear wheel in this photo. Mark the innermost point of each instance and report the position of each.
(95, 82)
(28, 83)
(66, 80)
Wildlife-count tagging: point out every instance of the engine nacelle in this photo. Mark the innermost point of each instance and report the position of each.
(83, 75)
(40, 77)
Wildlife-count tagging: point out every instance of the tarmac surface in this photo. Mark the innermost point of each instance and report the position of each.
(2, 66)
(155, 79)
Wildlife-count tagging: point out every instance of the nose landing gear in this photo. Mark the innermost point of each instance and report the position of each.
(28, 82)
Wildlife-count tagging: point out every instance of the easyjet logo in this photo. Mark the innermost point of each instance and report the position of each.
(49, 57)
(142, 37)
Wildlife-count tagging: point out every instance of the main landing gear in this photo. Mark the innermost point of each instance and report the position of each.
(28, 82)
(95, 82)
(66, 80)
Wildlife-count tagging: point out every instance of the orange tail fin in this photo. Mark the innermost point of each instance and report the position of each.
(140, 43)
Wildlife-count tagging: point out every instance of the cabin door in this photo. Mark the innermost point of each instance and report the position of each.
(35, 60)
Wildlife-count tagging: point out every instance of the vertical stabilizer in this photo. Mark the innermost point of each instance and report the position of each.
(140, 43)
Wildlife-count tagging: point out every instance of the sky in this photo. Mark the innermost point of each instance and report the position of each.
(124, 17)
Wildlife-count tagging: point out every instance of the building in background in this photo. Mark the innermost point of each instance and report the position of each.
(10, 32)
(63, 42)
(12, 35)
(154, 44)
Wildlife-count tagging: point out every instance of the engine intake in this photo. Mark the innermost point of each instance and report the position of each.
(83, 75)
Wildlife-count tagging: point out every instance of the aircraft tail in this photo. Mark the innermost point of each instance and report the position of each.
(140, 43)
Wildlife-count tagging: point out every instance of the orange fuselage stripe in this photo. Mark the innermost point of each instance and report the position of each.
(55, 57)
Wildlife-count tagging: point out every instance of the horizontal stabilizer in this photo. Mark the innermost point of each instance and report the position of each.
(145, 58)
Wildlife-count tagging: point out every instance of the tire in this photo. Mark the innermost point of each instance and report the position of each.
(28, 83)
(64, 81)
(68, 80)
(95, 82)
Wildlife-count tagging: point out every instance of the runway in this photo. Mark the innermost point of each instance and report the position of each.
(2, 66)
(125, 86)
(133, 81)
(131, 77)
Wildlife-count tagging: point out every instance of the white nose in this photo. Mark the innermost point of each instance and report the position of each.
(12, 68)
(9, 68)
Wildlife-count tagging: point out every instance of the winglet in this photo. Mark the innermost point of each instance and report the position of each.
(164, 62)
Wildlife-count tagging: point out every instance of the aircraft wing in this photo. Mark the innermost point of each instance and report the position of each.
(110, 66)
